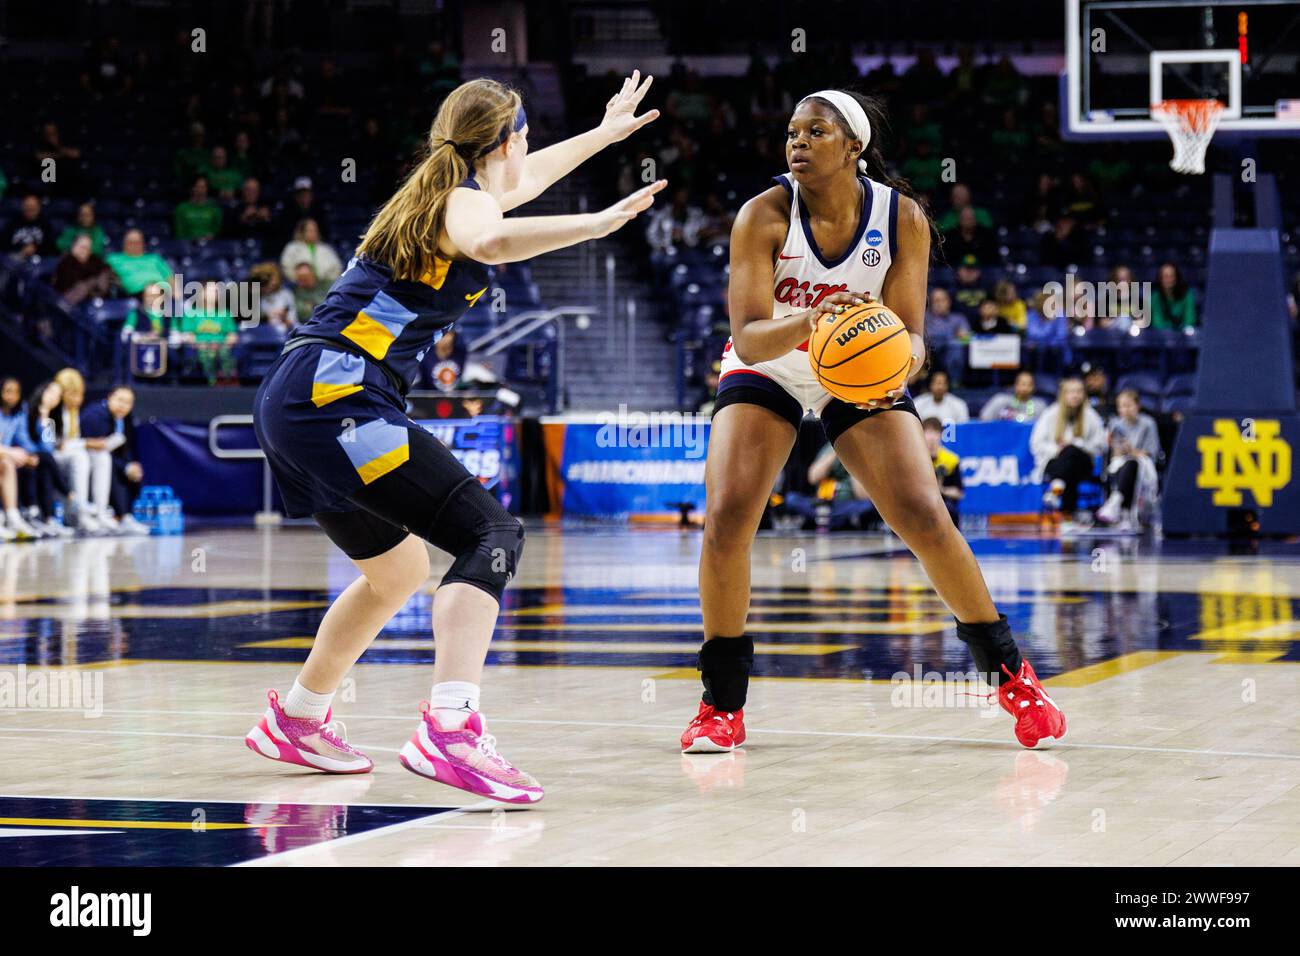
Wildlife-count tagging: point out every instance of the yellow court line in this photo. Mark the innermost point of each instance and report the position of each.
(130, 824)
(1102, 670)
(593, 647)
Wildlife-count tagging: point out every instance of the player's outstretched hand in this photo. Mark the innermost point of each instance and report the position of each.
(625, 210)
(620, 120)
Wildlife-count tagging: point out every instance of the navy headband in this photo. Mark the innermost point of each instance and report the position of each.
(521, 120)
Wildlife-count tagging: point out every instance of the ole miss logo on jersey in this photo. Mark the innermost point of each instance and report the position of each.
(802, 294)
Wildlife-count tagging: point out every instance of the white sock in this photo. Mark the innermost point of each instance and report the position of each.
(14, 516)
(301, 702)
(453, 702)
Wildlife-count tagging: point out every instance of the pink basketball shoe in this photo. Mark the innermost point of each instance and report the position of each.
(309, 743)
(466, 759)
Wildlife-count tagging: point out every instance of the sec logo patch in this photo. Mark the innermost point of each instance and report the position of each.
(870, 257)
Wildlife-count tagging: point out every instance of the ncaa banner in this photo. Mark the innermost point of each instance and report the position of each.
(997, 468)
(633, 464)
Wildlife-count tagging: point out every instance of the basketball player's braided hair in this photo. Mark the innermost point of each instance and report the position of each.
(878, 117)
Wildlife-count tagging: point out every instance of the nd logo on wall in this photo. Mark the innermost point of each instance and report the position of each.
(1251, 457)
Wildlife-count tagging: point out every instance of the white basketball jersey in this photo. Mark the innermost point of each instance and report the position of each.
(804, 277)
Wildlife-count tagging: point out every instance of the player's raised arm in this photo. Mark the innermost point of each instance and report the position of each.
(547, 166)
(476, 228)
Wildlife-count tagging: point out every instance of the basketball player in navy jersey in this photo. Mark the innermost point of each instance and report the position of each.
(331, 419)
(830, 234)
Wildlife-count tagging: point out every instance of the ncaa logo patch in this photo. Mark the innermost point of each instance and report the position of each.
(870, 257)
(874, 238)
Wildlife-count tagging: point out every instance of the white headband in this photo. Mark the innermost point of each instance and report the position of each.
(853, 114)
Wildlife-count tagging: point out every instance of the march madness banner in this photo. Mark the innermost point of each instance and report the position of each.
(997, 468)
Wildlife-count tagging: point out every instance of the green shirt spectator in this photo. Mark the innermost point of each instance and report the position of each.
(200, 217)
(1173, 303)
(959, 199)
(4, 183)
(223, 179)
(86, 225)
(207, 324)
(190, 160)
(137, 269)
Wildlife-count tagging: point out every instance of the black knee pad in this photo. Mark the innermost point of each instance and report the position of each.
(488, 540)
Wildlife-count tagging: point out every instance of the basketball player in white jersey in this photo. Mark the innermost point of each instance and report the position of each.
(823, 238)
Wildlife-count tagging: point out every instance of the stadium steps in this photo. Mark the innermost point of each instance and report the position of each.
(597, 370)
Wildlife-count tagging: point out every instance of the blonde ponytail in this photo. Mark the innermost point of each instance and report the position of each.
(404, 234)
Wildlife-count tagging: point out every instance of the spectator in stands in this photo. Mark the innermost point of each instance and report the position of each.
(948, 333)
(1097, 387)
(444, 364)
(108, 426)
(190, 160)
(838, 499)
(1044, 204)
(938, 402)
(278, 309)
(307, 293)
(1082, 203)
(990, 321)
(1010, 306)
(31, 233)
(241, 155)
(251, 217)
(148, 318)
(308, 247)
(970, 239)
(208, 327)
(284, 141)
(1173, 302)
(1066, 245)
(198, 217)
(45, 483)
(1065, 442)
(302, 206)
(969, 290)
(947, 468)
(692, 102)
(85, 226)
(222, 178)
(1114, 308)
(81, 274)
(677, 224)
(923, 79)
(718, 220)
(137, 269)
(52, 155)
(15, 459)
(921, 167)
(1018, 405)
(85, 461)
(1131, 476)
(4, 183)
(771, 104)
(960, 199)
(1011, 139)
(1045, 323)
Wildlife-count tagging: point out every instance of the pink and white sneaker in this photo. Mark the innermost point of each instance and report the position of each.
(466, 759)
(318, 744)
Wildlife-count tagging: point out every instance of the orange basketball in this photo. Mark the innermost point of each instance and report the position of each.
(861, 353)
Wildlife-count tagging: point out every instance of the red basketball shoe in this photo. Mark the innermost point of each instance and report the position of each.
(1038, 719)
(714, 731)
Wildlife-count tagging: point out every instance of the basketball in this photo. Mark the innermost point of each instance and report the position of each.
(861, 353)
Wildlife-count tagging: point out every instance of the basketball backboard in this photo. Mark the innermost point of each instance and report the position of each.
(1124, 55)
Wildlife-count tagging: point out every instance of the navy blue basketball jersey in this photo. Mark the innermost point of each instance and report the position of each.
(396, 322)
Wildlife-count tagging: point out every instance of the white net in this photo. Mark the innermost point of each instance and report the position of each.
(1191, 125)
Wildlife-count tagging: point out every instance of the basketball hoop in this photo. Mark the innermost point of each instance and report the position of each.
(1191, 125)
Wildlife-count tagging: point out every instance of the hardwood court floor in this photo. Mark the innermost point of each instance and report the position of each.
(1176, 664)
